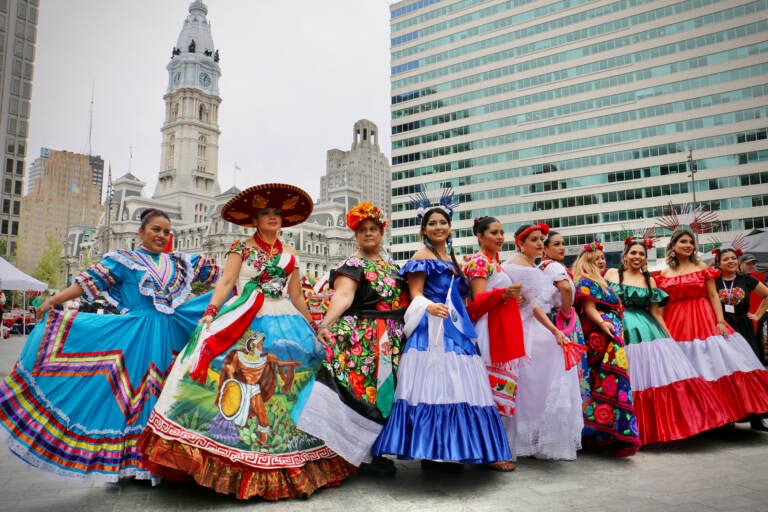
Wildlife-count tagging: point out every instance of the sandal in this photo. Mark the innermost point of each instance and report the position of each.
(503, 465)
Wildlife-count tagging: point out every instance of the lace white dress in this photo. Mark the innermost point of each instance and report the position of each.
(548, 416)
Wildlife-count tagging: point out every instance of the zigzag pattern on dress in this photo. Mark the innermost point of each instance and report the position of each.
(53, 361)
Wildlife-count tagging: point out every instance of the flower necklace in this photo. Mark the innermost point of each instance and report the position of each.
(272, 249)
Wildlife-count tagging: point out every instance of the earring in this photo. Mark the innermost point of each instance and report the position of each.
(449, 243)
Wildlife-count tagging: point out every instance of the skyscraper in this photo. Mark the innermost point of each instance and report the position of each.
(587, 115)
(18, 34)
(66, 193)
(364, 167)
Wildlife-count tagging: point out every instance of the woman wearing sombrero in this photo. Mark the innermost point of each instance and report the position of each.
(224, 416)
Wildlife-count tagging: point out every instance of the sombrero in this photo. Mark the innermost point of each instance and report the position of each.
(295, 204)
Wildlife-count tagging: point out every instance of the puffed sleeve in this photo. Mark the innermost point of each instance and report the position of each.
(478, 267)
(99, 277)
(659, 296)
(711, 273)
(352, 268)
(204, 269)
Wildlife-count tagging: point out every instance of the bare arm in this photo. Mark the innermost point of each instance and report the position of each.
(762, 291)
(566, 296)
(225, 284)
(344, 293)
(416, 287)
(656, 310)
(73, 291)
(478, 285)
(590, 309)
(544, 320)
(717, 307)
(297, 298)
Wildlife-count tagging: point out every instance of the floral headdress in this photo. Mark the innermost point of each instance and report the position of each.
(738, 245)
(530, 229)
(421, 202)
(647, 242)
(362, 211)
(594, 246)
(637, 232)
(691, 219)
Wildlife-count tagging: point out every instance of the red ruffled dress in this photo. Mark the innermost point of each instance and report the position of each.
(740, 381)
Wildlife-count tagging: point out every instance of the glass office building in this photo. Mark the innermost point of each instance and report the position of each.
(586, 115)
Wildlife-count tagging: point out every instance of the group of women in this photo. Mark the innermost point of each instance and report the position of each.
(451, 363)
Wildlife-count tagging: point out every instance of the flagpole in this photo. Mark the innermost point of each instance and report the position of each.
(109, 209)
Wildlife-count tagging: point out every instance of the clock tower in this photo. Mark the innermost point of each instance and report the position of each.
(189, 157)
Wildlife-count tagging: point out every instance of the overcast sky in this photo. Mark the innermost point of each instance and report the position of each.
(296, 75)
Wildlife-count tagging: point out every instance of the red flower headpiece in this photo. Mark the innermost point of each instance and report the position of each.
(530, 229)
(736, 250)
(362, 211)
(594, 246)
(647, 242)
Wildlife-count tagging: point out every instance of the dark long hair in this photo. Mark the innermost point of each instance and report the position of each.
(644, 270)
(449, 243)
(719, 255)
(151, 213)
(482, 224)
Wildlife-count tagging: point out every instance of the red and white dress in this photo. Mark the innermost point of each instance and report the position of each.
(740, 381)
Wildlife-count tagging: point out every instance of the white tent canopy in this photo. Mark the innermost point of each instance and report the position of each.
(12, 278)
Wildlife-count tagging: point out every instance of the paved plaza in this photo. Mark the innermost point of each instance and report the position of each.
(724, 470)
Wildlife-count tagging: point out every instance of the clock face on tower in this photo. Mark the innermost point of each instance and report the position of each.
(205, 79)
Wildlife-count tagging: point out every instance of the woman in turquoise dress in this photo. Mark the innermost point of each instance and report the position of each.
(444, 408)
(610, 424)
(672, 401)
(362, 332)
(224, 417)
(84, 385)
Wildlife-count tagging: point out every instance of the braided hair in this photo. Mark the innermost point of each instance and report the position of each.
(644, 270)
(449, 242)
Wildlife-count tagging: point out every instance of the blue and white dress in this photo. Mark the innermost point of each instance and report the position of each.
(85, 384)
(444, 409)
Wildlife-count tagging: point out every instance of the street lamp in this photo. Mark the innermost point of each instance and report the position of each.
(693, 169)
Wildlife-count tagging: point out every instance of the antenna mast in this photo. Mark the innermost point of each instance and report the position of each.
(90, 122)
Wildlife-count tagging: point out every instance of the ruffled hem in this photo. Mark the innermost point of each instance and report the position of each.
(178, 461)
(677, 411)
(743, 394)
(447, 432)
(40, 435)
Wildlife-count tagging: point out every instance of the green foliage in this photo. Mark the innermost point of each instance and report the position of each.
(51, 265)
(199, 288)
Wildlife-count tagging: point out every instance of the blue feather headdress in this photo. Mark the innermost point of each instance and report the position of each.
(441, 198)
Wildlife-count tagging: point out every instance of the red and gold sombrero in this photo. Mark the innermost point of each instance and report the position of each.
(295, 204)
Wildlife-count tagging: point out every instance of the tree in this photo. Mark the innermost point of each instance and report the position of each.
(51, 265)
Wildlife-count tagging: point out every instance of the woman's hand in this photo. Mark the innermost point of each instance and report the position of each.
(207, 319)
(560, 338)
(437, 309)
(607, 328)
(324, 334)
(514, 290)
(45, 306)
(722, 329)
